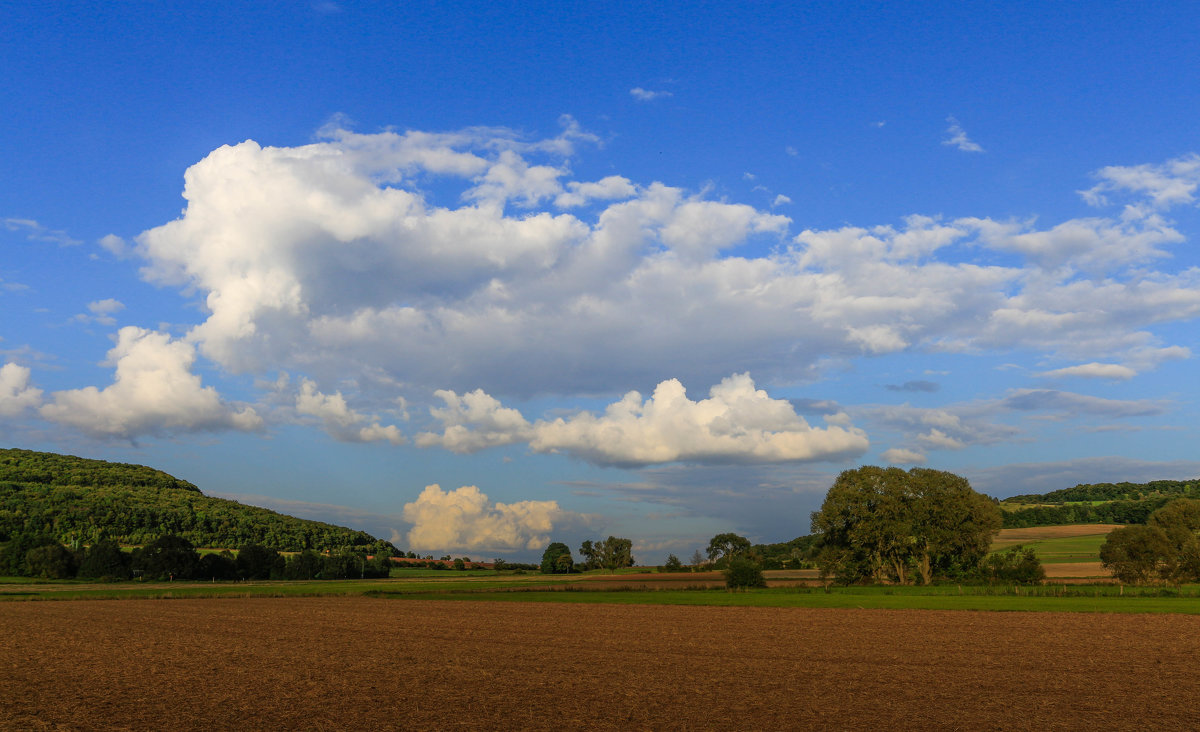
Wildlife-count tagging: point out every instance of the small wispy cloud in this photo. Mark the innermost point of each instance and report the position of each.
(1112, 371)
(648, 95)
(36, 232)
(101, 312)
(958, 137)
(903, 456)
(914, 386)
(780, 200)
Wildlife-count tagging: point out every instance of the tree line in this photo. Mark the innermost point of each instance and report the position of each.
(1115, 512)
(172, 557)
(1123, 491)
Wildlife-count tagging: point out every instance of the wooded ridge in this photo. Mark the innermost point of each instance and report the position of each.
(79, 501)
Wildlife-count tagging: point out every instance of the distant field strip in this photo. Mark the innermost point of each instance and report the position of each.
(1052, 597)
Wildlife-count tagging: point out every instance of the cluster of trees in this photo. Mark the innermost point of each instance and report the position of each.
(888, 525)
(82, 501)
(799, 553)
(1164, 549)
(172, 557)
(612, 554)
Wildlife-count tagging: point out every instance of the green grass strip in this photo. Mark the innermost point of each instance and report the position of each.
(1080, 600)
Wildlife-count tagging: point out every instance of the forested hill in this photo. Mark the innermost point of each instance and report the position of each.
(1114, 492)
(77, 501)
(1103, 503)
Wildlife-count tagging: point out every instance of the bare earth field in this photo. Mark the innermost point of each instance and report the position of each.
(1008, 537)
(362, 663)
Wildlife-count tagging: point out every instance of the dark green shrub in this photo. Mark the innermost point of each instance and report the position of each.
(105, 559)
(52, 561)
(218, 567)
(743, 573)
(1016, 565)
(303, 566)
(257, 562)
(166, 558)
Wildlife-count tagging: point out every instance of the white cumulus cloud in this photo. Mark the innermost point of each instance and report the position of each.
(341, 422)
(737, 423)
(465, 519)
(474, 421)
(16, 395)
(153, 392)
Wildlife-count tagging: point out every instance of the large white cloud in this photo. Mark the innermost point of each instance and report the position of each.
(737, 423)
(332, 257)
(352, 259)
(16, 395)
(465, 519)
(153, 392)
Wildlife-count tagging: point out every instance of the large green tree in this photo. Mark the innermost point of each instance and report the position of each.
(615, 553)
(257, 562)
(1137, 554)
(1180, 521)
(722, 548)
(612, 553)
(888, 524)
(105, 559)
(52, 561)
(168, 557)
(557, 559)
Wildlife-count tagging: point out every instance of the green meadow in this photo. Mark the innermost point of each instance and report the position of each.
(1068, 549)
(1107, 598)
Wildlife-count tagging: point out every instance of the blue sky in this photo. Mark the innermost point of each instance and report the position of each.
(478, 279)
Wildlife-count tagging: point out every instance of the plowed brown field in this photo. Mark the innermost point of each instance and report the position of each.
(370, 664)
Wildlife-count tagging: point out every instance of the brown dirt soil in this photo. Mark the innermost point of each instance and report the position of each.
(1008, 537)
(361, 663)
(1093, 571)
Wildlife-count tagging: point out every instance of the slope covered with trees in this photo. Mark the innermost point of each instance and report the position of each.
(1096, 503)
(78, 501)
